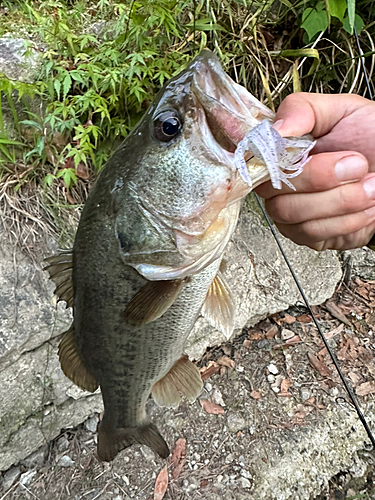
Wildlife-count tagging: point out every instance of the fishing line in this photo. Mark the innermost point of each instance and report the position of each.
(346, 385)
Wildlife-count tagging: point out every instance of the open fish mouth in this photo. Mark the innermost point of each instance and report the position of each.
(240, 124)
(231, 112)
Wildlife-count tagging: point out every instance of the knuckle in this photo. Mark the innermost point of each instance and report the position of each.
(348, 197)
(314, 231)
(280, 209)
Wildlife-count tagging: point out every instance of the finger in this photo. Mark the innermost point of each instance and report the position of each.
(323, 172)
(305, 113)
(312, 233)
(342, 200)
(357, 239)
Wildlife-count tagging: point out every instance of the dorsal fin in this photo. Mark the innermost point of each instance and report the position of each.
(183, 379)
(72, 364)
(218, 307)
(152, 301)
(60, 269)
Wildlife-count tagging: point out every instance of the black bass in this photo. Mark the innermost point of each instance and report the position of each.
(147, 254)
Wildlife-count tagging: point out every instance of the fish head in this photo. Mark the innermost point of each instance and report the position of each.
(184, 178)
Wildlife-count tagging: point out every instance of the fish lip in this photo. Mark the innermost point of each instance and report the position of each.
(228, 115)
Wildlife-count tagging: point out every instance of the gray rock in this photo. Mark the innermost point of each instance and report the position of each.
(19, 59)
(243, 482)
(65, 461)
(362, 262)
(62, 444)
(286, 334)
(27, 477)
(91, 424)
(36, 459)
(10, 477)
(235, 422)
(147, 453)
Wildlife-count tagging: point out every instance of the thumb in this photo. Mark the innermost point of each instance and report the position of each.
(316, 114)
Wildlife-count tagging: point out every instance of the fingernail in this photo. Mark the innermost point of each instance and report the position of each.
(350, 168)
(370, 212)
(278, 124)
(369, 187)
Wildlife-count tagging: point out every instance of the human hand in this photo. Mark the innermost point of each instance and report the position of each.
(334, 203)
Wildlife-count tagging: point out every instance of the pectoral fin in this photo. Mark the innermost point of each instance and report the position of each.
(152, 301)
(60, 269)
(218, 307)
(72, 364)
(183, 379)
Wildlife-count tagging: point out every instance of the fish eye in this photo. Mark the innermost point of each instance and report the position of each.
(167, 126)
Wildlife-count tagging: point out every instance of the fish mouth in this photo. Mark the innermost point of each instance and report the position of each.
(230, 111)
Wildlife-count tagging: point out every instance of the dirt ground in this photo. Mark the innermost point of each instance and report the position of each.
(260, 388)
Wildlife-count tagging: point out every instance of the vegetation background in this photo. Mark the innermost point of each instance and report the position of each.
(104, 61)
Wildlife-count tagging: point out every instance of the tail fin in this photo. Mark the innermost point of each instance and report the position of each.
(111, 441)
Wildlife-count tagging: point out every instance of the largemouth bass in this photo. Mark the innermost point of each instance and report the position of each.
(148, 249)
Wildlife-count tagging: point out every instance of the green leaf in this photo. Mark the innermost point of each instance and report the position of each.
(314, 21)
(299, 53)
(33, 124)
(48, 179)
(69, 177)
(351, 15)
(8, 142)
(57, 87)
(358, 23)
(205, 24)
(67, 84)
(337, 8)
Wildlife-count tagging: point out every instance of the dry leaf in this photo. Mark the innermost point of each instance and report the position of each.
(226, 361)
(256, 395)
(179, 451)
(365, 388)
(69, 198)
(272, 332)
(336, 312)
(209, 370)
(285, 384)
(288, 319)
(255, 334)
(178, 457)
(354, 377)
(211, 408)
(304, 318)
(82, 171)
(247, 343)
(293, 340)
(161, 484)
(319, 365)
(335, 331)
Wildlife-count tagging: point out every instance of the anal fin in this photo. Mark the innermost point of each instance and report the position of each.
(218, 307)
(72, 364)
(111, 441)
(152, 301)
(60, 269)
(183, 379)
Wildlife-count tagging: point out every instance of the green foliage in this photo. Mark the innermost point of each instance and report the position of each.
(105, 60)
(317, 19)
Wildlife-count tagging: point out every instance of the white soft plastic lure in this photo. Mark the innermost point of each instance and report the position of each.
(278, 153)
